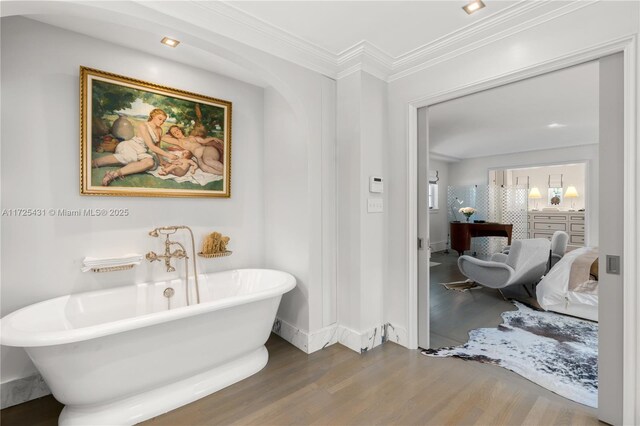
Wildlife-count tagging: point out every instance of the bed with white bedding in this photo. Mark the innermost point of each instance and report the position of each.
(569, 288)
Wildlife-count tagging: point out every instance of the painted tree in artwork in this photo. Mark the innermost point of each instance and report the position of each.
(109, 99)
(192, 116)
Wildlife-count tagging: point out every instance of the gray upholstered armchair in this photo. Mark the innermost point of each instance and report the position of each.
(559, 242)
(525, 264)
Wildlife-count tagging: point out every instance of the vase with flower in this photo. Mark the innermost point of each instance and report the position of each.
(467, 211)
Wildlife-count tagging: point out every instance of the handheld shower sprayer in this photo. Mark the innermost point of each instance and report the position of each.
(165, 230)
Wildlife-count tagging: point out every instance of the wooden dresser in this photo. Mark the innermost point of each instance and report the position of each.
(542, 224)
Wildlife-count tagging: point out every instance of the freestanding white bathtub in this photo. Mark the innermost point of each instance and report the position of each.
(120, 356)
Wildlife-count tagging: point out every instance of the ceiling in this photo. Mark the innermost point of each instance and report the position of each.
(386, 39)
(395, 27)
(516, 117)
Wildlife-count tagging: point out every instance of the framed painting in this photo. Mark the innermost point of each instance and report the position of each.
(143, 139)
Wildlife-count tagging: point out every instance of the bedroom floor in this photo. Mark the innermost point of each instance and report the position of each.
(455, 313)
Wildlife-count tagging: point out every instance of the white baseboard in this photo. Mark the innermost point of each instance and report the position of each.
(438, 246)
(363, 341)
(357, 341)
(322, 338)
(291, 334)
(360, 341)
(397, 335)
(22, 390)
(303, 340)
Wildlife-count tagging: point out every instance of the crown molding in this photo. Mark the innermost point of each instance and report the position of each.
(462, 47)
(445, 158)
(468, 32)
(224, 18)
(364, 48)
(363, 67)
(367, 56)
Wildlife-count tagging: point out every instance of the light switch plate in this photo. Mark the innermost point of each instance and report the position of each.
(375, 205)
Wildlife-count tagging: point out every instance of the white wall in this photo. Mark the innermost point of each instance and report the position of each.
(41, 256)
(475, 171)
(572, 174)
(438, 219)
(299, 196)
(305, 98)
(284, 158)
(349, 214)
(373, 241)
(306, 101)
(606, 21)
(362, 136)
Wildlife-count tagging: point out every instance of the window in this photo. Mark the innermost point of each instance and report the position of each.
(433, 196)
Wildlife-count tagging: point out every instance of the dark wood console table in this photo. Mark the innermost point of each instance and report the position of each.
(462, 232)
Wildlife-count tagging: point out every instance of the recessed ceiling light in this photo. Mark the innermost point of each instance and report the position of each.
(555, 125)
(474, 6)
(170, 42)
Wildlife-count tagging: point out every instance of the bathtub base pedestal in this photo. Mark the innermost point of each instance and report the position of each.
(138, 408)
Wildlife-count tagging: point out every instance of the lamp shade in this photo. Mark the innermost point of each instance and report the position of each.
(571, 192)
(534, 193)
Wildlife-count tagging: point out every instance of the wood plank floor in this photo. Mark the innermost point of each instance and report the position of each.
(387, 385)
(455, 313)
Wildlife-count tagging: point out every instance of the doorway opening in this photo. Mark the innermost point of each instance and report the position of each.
(503, 137)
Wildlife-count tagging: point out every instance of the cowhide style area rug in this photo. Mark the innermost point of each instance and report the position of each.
(555, 351)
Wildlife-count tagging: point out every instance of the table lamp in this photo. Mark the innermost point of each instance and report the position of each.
(571, 193)
(535, 195)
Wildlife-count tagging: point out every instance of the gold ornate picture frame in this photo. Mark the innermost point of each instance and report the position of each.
(147, 140)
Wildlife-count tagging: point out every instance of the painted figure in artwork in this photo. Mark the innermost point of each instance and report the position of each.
(127, 149)
(140, 153)
(207, 151)
(180, 166)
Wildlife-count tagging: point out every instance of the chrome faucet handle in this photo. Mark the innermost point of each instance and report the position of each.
(152, 256)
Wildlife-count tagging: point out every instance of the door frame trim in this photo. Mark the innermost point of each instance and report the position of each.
(631, 302)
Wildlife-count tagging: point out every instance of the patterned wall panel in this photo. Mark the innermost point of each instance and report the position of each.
(492, 204)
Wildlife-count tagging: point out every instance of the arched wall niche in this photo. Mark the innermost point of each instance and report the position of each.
(137, 20)
(302, 93)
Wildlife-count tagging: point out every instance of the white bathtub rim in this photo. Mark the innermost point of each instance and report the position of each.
(12, 336)
(137, 408)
